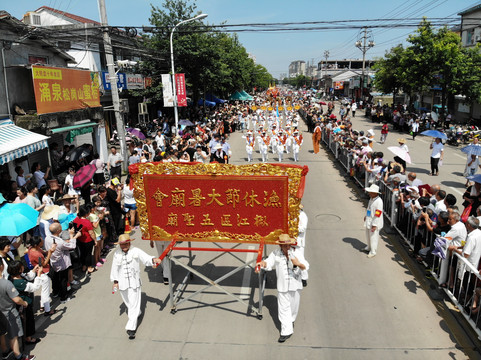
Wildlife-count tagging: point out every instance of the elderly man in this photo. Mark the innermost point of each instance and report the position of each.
(125, 274)
(457, 236)
(413, 180)
(289, 264)
(471, 251)
(374, 220)
(60, 261)
(114, 163)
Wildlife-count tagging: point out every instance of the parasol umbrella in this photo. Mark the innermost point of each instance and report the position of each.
(476, 178)
(322, 103)
(332, 116)
(403, 154)
(15, 219)
(76, 154)
(136, 132)
(434, 116)
(185, 122)
(83, 175)
(435, 134)
(472, 149)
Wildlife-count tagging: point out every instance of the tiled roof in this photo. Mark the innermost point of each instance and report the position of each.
(69, 15)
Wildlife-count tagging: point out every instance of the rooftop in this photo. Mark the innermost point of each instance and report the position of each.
(74, 17)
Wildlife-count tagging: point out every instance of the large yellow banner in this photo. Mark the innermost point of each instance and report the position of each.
(61, 89)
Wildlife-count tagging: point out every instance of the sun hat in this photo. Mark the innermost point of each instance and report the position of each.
(285, 239)
(372, 189)
(401, 140)
(50, 212)
(124, 238)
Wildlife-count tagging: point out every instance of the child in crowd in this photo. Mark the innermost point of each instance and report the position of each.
(95, 220)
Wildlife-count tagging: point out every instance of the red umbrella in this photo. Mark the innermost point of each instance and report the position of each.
(332, 116)
(84, 175)
(322, 103)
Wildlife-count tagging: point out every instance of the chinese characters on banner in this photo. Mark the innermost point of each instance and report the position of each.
(246, 205)
(180, 89)
(60, 89)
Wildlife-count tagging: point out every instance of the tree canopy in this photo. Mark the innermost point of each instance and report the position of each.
(435, 59)
(213, 61)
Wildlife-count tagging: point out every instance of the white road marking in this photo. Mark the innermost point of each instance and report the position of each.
(246, 279)
(456, 190)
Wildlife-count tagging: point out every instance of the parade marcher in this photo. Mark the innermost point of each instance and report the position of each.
(296, 146)
(249, 145)
(281, 141)
(274, 140)
(316, 138)
(125, 274)
(301, 240)
(437, 154)
(289, 140)
(374, 220)
(289, 264)
(264, 143)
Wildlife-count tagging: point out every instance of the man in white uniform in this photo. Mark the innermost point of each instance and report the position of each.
(374, 220)
(249, 145)
(296, 144)
(125, 274)
(301, 240)
(263, 146)
(289, 263)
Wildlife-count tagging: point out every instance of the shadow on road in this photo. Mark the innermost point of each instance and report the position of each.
(355, 243)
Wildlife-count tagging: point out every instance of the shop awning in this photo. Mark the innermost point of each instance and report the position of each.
(16, 142)
(74, 127)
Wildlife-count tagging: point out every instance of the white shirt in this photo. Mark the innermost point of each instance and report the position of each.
(440, 206)
(128, 195)
(288, 277)
(112, 159)
(301, 236)
(126, 267)
(39, 178)
(437, 149)
(69, 183)
(417, 182)
(473, 247)
(458, 234)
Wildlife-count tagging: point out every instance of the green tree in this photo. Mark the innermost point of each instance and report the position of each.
(388, 77)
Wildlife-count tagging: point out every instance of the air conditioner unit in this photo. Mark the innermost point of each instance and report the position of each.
(477, 38)
(32, 18)
(143, 108)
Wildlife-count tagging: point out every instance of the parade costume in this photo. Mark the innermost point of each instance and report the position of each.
(316, 138)
(274, 141)
(126, 273)
(289, 140)
(281, 141)
(264, 143)
(297, 142)
(249, 146)
(374, 218)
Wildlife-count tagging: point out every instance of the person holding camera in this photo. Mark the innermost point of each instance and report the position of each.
(60, 261)
(289, 264)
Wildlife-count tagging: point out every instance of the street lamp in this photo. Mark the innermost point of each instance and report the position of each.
(176, 114)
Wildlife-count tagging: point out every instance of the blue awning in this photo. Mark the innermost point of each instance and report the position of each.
(16, 142)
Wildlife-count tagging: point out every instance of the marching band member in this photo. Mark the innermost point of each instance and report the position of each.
(289, 139)
(264, 143)
(259, 138)
(297, 142)
(281, 141)
(249, 145)
(274, 141)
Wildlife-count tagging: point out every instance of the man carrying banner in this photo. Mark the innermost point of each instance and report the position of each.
(125, 274)
(289, 264)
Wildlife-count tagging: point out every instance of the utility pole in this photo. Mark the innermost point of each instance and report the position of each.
(109, 59)
(364, 46)
(326, 55)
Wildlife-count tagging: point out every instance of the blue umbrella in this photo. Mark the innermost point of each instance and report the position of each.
(435, 134)
(15, 219)
(472, 149)
(476, 178)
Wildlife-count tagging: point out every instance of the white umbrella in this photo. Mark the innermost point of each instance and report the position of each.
(403, 154)
(434, 116)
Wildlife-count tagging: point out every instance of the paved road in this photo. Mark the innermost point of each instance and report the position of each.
(353, 307)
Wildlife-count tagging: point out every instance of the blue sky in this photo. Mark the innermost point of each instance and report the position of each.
(276, 50)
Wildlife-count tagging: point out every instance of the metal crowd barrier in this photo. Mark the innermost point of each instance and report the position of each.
(465, 280)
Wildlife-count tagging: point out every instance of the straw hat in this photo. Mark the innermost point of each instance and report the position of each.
(50, 212)
(401, 140)
(67, 197)
(218, 147)
(123, 239)
(285, 239)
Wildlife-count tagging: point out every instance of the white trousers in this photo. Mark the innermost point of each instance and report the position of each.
(160, 246)
(131, 299)
(288, 306)
(45, 294)
(304, 273)
(372, 238)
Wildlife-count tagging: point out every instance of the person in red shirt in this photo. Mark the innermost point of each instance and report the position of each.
(38, 256)
(87, 239)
